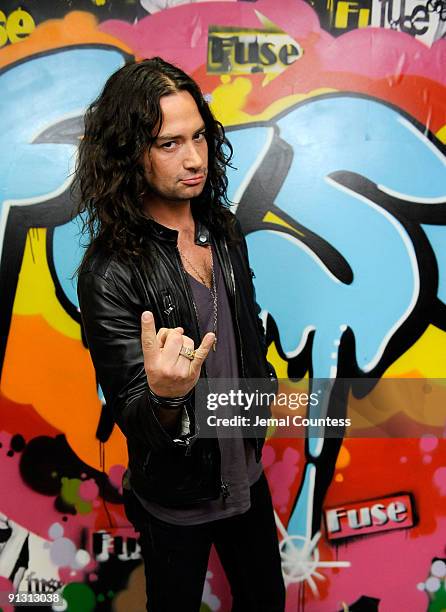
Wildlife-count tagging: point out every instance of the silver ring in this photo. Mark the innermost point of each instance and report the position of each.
(187, 352)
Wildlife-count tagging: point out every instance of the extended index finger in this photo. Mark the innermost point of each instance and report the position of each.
(149, 340)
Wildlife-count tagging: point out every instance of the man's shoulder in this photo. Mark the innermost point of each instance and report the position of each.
(106, 264)
(98, 262)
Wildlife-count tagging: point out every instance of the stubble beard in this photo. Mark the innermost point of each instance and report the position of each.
(175, 196)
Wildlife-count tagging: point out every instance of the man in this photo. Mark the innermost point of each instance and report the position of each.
(166, 270)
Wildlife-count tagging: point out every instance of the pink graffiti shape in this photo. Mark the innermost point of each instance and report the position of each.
(88, 490)
(428, 443)
(180, 35)
(115, 475)
(440, 480)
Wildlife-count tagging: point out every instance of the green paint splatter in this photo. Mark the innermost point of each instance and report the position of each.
(205, 608)
(438, 601)
(70, 494)
(79, 597)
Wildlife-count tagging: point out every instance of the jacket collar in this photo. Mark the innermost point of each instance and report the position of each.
(202, 234)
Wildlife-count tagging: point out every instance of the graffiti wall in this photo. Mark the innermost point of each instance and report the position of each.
(337, 115)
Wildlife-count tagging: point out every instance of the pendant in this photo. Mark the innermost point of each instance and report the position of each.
(214, 345)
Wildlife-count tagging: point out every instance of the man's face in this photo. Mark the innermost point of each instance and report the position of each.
(176, 164)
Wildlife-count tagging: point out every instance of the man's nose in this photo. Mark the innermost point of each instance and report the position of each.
(192, 156)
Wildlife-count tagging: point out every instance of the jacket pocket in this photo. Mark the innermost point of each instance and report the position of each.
(169, 309)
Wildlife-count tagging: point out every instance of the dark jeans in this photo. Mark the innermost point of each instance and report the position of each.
(176, 559)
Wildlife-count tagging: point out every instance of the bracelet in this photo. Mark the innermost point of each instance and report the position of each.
(170, 402)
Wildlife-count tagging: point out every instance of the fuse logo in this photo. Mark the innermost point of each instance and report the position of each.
(371, 516)
(234, 50)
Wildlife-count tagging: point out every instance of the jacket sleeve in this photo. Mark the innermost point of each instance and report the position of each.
(112, 328)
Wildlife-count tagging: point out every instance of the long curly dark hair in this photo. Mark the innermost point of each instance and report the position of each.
(109, 184)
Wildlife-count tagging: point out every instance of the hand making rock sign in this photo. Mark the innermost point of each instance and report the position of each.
(171, 363)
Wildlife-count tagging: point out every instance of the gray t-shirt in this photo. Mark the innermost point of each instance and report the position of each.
(239, 469)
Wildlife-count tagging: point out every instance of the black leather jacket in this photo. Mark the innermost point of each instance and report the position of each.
(170, 470)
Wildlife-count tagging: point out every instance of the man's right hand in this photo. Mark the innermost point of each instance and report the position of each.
(170, 374)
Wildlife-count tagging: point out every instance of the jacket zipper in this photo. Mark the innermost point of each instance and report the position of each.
(234, 293)
(257, 451)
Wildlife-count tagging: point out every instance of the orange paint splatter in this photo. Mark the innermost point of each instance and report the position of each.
(343, 458)
(75, 29)
(55, 375)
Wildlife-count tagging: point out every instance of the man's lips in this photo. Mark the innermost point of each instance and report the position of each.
(193, 180)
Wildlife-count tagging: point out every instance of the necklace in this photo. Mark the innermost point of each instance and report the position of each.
(212, 291)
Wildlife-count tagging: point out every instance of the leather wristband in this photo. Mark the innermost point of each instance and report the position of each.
(170, 403)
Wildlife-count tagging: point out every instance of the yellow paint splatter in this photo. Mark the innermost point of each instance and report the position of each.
(229, 100)
(271, 217)
(441, 134)
(36, 294)
(339, 478)
(424, 359)
(279, 364)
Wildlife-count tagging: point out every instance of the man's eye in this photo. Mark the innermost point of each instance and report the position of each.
(200, 136)
(169, 145)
